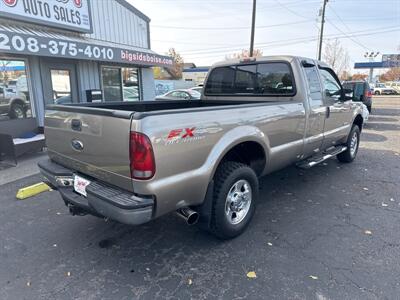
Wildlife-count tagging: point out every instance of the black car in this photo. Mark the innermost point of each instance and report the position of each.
(361, 92)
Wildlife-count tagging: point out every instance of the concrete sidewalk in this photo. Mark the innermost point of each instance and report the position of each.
(27, 166)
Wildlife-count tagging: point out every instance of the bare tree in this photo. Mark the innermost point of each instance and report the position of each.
(336, 56)
(359, 76)
(393, 74)
(176, 70)
(245, 54)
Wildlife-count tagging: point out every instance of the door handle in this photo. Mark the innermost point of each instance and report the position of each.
(76, 125)
(328, 111)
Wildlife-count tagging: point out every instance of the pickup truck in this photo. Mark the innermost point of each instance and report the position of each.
(134, 162)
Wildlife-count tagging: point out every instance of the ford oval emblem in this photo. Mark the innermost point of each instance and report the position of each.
(77, 145)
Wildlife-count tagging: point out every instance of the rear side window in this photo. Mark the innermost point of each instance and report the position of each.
(275, 78)
(221, 81)
(314, 84)
(264, 79)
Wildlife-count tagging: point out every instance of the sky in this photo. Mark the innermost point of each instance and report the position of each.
(205, 31)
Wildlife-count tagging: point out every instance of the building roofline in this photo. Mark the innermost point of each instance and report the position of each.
(133, 9)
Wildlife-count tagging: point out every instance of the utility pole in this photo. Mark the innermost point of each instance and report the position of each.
(321, 32)
(253, 24)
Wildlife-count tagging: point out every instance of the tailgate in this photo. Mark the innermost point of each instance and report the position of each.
(93, 143)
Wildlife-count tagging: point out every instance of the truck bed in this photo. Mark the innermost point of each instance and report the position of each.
(144, 108)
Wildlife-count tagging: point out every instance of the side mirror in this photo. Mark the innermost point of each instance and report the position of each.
(347, 94)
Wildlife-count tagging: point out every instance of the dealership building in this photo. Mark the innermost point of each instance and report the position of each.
(73, 51)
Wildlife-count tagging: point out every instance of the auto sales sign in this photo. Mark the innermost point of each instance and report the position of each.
(67, 14)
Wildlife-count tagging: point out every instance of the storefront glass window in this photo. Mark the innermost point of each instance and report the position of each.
(120, 84)
(14, 90)
(111, 84)
(61, 85)
(130, 84)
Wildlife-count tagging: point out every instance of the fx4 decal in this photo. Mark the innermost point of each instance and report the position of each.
(184, 135)
(181, 133)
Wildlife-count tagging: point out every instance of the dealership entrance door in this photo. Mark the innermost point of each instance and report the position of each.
(59, 81)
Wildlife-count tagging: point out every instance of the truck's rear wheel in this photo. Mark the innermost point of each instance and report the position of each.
(353, 141)
(235, 196)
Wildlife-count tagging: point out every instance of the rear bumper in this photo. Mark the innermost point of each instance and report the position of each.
(102, 200)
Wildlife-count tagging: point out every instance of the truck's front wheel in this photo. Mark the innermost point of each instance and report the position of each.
(235, 196)
(353, 141)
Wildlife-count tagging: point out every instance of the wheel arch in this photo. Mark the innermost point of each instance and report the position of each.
(245, 144)
(359, 121)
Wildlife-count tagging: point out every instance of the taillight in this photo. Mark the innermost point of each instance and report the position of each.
(141, 156)
(368, 94)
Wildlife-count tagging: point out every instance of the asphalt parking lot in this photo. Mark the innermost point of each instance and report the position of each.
(331, 232)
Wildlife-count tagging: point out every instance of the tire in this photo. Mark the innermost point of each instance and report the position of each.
(377, 93)
(233, 181)
(352, 146)
(17, 111)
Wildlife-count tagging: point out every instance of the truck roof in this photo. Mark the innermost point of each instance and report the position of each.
(288, 58)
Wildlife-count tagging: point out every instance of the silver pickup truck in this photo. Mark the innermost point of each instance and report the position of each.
(134, 162)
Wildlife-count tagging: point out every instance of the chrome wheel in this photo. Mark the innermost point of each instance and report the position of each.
(353, 144)
(238, 201)
(18, 112)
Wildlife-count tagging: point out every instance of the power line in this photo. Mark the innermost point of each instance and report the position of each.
(291, 10)
(232, 47)
(351, 38)
(347, 27)
(229, 28)
(243, 45)
(295, 41)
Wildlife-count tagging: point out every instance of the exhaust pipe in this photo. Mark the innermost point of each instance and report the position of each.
(76, 211)
(189, 215)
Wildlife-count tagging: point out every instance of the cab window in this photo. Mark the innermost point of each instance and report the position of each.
(245, 79)
(331, 86)
(262, 79)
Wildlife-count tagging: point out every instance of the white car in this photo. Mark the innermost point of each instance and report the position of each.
(382, 89)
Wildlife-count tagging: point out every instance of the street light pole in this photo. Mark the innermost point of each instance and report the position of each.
(253, 24)
(321, 33)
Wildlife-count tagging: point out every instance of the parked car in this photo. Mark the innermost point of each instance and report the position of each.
(197, 89)
(131, 93)
(187, 94)
(394, 85)
(382, 89)
(361, 92)
(135, 162)
(13, 105)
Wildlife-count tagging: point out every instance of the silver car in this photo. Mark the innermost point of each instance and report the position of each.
(183, 94)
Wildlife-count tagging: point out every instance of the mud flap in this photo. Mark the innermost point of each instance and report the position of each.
(205, 210)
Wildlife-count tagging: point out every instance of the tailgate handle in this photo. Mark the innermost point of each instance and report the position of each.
(76, 125)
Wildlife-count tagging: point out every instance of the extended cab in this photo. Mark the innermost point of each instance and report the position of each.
(134, 162)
